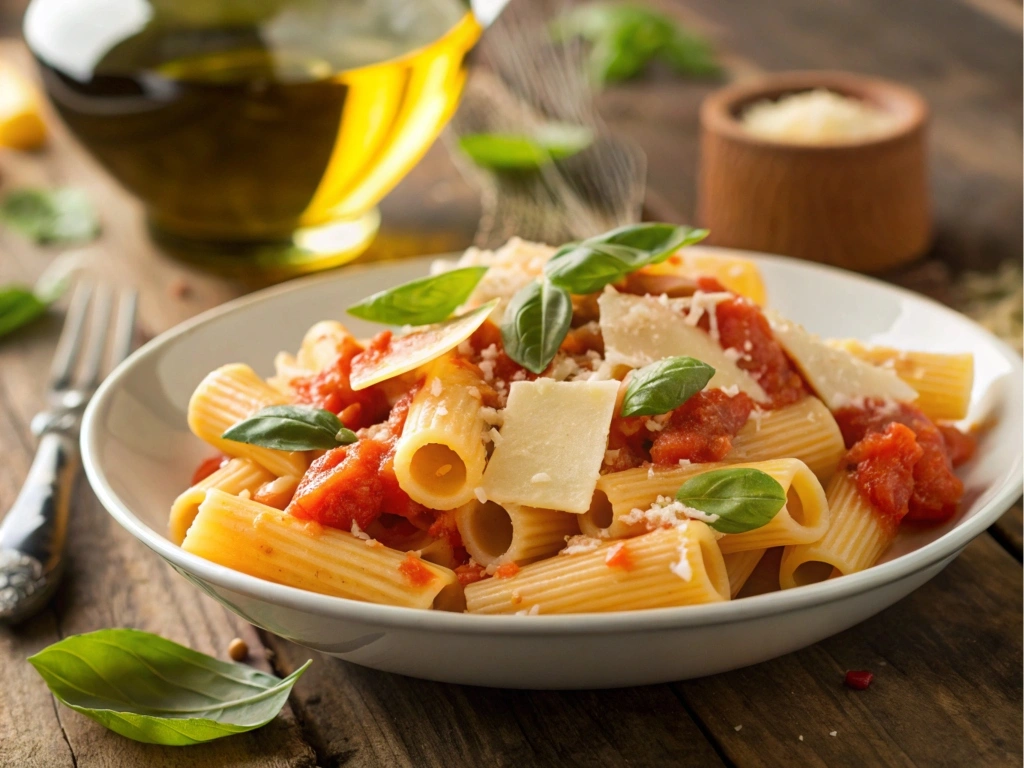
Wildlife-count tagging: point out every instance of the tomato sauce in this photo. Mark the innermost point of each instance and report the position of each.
(415, 571)
(886, 456)
(506, 570)
(701, 429)
(331, 390)
(470, 573)
(208, 466)
(357, 483)
(621, 559)
(743, 327)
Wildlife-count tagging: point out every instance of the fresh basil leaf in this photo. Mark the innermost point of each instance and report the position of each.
(51, 216)
(653, 241)
(665, 385)
(535, 324)
(18, 306)
(420, 302)
(499, 151)
(626, 37)
(291, 428)
(743, 498)
(152, 690)
(589, 266)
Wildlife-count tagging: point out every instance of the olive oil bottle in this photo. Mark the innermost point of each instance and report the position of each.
(261, 128)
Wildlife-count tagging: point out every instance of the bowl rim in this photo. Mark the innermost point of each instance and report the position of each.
(718, 111)
(945, 547)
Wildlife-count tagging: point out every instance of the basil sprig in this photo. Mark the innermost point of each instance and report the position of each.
(536, 321)
(743, 498)
(420, 302)
(519, 152)
(152, 690)
(589, 266)
(62, 215)
(291, 428)
(665, 385)
(538, 317)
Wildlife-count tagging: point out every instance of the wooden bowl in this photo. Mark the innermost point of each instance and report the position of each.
(862, 205)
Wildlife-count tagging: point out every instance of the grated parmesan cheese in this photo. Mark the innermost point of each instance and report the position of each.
(612, 455)
(682, 569)
(579, 544)
(731, 391)
(441, 411)
(244, 494)
(817, 116)
(491, 416)
(738, 728)
(474, 392)
(494, 435)
(480, 494)
(613, 550)
(833, 733)
(665, 512)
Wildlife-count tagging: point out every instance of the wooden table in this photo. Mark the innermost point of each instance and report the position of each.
(947, 659)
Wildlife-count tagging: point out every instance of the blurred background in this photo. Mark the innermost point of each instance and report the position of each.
(203, 149)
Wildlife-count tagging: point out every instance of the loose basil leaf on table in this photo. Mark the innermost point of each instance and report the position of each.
(501, 151)
(589, 266)
(536, 321)
(420, 302)
(291, 428)
(665, 385)
(742, 498)
(150, 689)
(18, 306)
(51, 216)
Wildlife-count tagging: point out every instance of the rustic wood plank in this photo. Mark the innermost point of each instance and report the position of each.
(947, 686)
(360, 717)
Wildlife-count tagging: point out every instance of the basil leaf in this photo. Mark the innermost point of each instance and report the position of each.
(689, 55)
(291, 428)
(18, 306)
(743, 498)
(499, 151)
(152, 690)
(420, 302)
(665, 385)
(535, 324)
(589, 266)
(51, 216)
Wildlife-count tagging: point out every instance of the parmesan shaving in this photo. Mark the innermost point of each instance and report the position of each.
(682, 569)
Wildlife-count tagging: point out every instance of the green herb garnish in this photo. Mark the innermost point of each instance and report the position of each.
(742, 498)
(152, 690)
(420, 302)
(665, 385)
(51, 216)
(625, 37)
(291, 428)
(505, 151)
(536, 321)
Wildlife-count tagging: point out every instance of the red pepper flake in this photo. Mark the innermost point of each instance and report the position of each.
(415, 571)
(506, 570)
(858, 679)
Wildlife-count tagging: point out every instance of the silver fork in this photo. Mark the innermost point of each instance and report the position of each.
(33, 531)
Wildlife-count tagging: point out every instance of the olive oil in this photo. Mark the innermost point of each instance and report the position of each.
(264, 120)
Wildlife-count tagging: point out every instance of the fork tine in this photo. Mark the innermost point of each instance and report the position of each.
(98, 334)
(70, 337)
(124, 328)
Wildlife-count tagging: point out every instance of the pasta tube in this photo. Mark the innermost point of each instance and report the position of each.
(803, 519)
(805, 430)
(674, 566)
(440, 456)
(512, 532)
(943, 382)
(855, 539)
(229, 395)
(235, 476)
(269, 544)
(739, 566)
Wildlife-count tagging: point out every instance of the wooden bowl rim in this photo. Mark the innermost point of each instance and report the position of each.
(720, 110)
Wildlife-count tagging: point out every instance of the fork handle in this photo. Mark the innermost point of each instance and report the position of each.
(32, 533)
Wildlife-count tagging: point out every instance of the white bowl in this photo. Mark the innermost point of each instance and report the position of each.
(139, 454)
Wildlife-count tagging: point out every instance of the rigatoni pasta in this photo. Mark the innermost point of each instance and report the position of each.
(618, 428)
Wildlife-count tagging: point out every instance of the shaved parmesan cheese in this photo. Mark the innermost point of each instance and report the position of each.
(554, 429)
(836, 376)
(638, 330)
(417, 348)
(682, 569)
